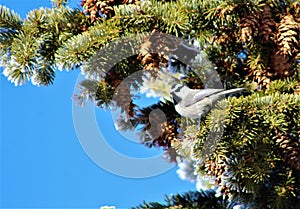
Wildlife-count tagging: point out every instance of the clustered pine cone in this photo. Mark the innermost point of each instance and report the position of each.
(259, 24)
(283, 36)
(102, 8)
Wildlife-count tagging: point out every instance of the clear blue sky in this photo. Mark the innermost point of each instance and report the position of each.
(42, 162)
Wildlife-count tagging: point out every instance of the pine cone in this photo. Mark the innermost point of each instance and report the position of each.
(168, 133)
(288, 36)
(194, 83)
(249, 26)
(216, 169)
(267, 26)
(123, 99)
(151, 61)
(90, 8)
(262, 76)
(97, 9)
(289, 149)
(154, 50)
(260, 23)
(281, 65)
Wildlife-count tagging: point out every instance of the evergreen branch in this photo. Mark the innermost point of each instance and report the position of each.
(191, 200)
(126, 10)
(87, 91)
(10, 25)
(251, 43)
(171, 16)
(9, 19)
(19, 65)
(251, 125)
(79, 48)
(30, 53)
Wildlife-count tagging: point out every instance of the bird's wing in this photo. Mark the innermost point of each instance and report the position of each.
(201, 94)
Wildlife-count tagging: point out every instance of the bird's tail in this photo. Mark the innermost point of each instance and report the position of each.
(233, 91)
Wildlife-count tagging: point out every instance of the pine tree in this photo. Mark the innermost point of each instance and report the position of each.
(253, 44)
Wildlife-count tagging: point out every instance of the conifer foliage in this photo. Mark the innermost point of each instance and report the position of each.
(253, 44)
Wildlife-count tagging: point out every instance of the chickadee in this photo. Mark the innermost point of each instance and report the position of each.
(194, 103)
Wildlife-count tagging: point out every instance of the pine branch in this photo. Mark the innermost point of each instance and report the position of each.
(10, 25)
(191, 200)
(172, 16)
(9, 19)
(83, 46)
(247, 157)
(30, 53)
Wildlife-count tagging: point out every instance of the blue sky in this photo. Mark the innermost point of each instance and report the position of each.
(42, 161)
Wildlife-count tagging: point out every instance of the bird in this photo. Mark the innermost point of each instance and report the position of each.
(195, 103)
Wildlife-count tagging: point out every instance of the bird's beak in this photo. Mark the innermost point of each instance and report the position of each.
(175, 98)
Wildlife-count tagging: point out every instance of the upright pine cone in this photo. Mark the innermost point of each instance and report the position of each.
(289, 149)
